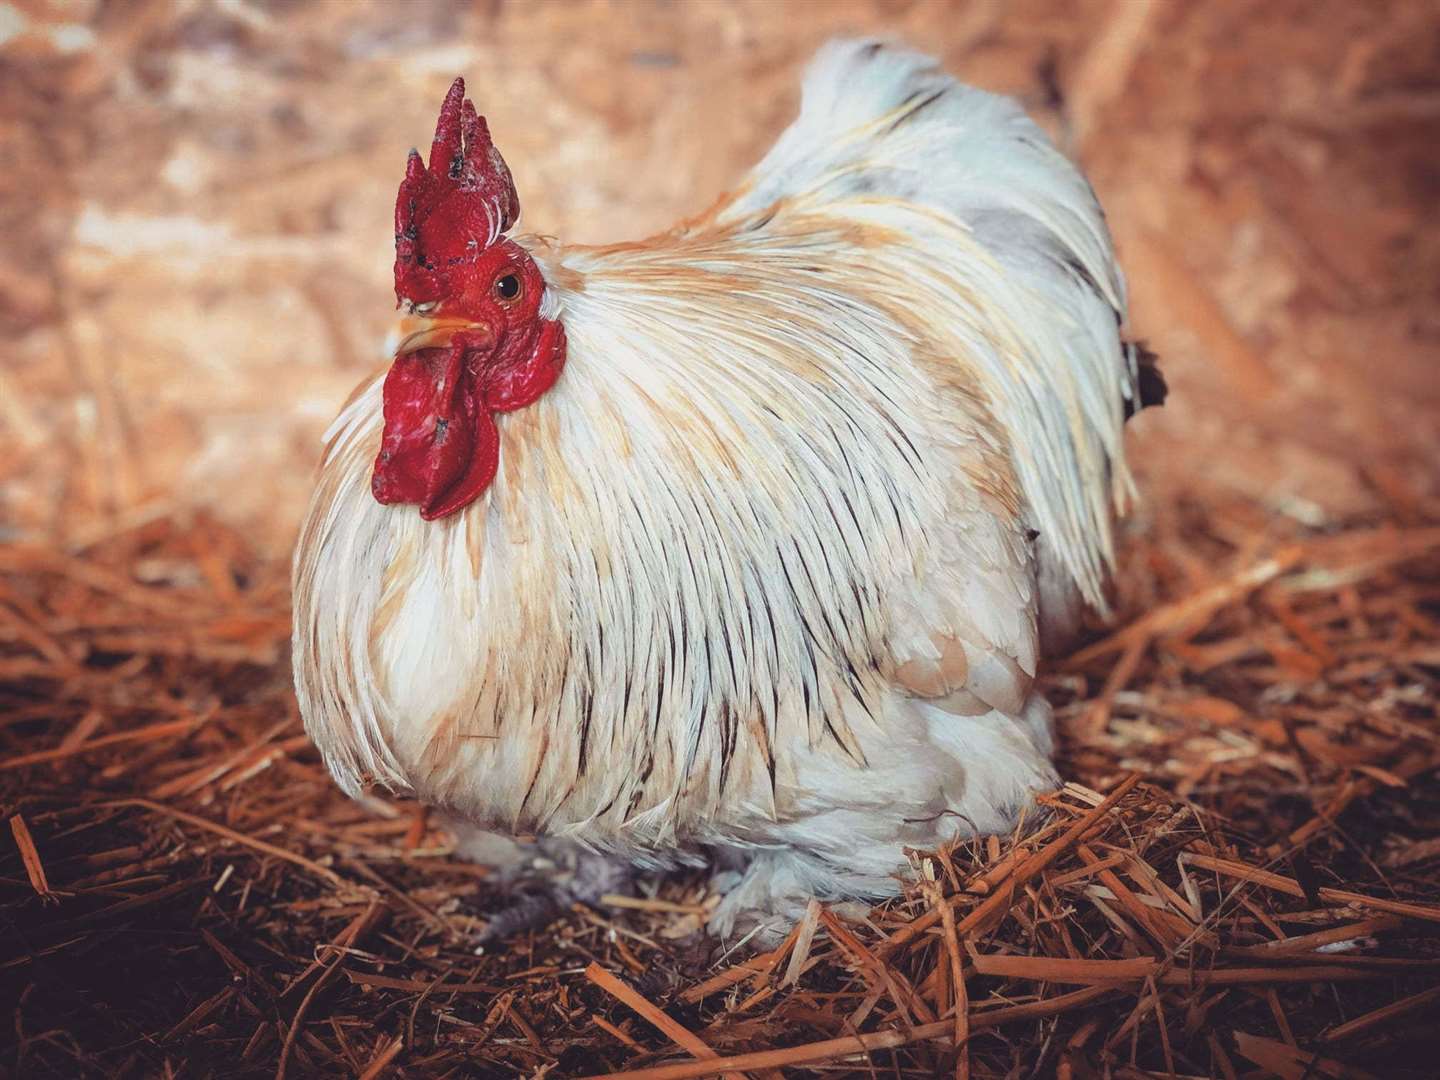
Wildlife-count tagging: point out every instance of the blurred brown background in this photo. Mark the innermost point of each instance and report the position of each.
(197, 215)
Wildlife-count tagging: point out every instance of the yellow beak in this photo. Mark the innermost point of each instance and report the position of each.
(419, 332)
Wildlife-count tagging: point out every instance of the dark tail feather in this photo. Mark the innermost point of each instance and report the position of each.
(1150, 388)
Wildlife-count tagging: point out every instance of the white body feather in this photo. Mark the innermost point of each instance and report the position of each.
(759, 572)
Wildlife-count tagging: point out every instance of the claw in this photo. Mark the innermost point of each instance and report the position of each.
(527, 913)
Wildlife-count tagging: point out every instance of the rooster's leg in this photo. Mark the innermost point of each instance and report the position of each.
(766, 893)
(591, 878)
(542, 881)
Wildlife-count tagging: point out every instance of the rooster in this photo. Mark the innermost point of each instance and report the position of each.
(743, 540)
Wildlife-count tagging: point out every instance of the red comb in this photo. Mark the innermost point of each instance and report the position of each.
(466, 174)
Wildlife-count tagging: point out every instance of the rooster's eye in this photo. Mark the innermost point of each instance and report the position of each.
(507, 288)
(426, 308)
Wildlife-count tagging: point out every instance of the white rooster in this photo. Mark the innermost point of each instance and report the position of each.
(740, 540)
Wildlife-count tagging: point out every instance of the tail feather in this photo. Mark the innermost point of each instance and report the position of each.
(885, 132)
(1150, 385)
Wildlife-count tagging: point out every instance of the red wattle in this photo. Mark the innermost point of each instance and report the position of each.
(440, 448)
(484, 462)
